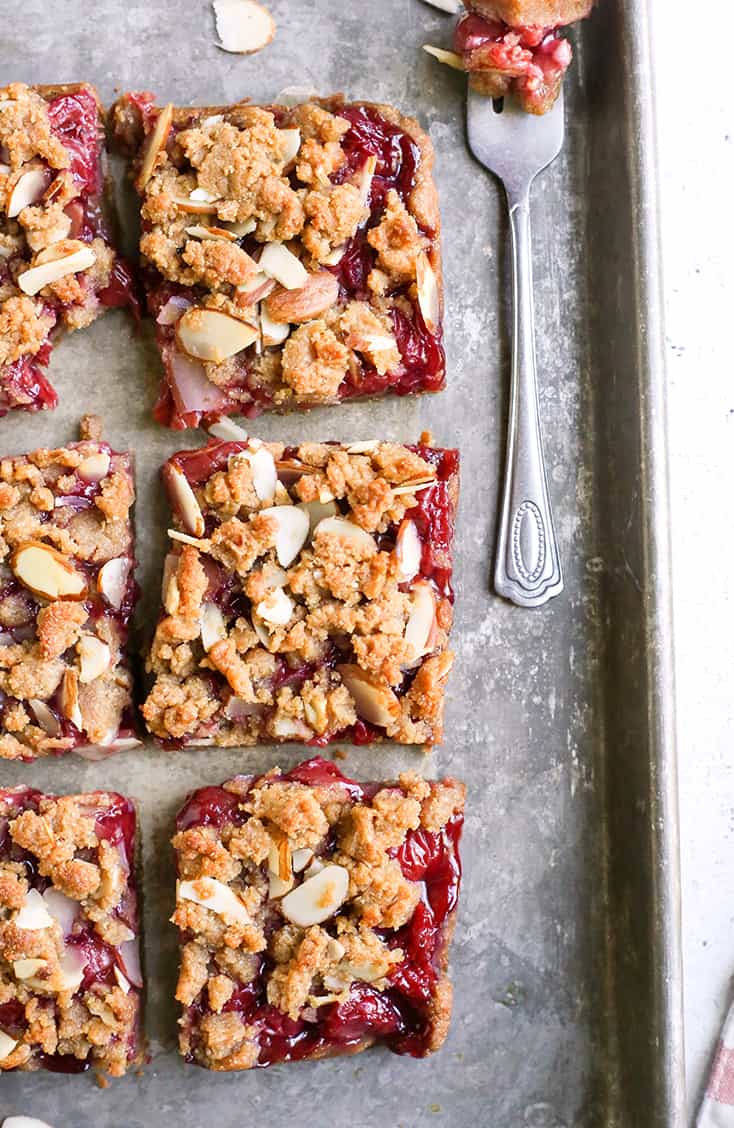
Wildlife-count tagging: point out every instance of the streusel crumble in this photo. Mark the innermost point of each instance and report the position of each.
(58, 270)
(292, 253)
(316, 915)
(70, 982)
(67, 592)
(307, 594)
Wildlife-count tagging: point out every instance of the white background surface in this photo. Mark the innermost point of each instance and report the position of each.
(696, 142)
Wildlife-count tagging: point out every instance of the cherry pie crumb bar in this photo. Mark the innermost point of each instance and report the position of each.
(67, 593)
(316, 915)
(58, 270)
(307, 594)
(292, 253)
(70, 982)
(515, 47)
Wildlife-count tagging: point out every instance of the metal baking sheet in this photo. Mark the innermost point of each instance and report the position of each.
(566, 959)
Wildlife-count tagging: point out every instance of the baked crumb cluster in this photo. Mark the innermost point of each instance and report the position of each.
(57, 268)
(307, 594)
(66, 596)
(69, 966)
(316, 915)
(293, 253)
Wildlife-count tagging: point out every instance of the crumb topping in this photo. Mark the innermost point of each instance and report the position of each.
(42, 221)
(313, 870)
(305, 610)
(67, 918)
(65, 598)
(239, 200)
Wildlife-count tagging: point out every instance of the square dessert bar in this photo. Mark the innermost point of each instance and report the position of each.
(58, 270)
(67, 592)
(316, 915)
(70, 982)
(307, 594)
(292, 253)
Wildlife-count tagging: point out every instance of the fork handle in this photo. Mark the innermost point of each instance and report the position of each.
(528, 568)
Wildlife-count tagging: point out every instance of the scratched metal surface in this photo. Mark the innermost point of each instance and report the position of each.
(566, 959)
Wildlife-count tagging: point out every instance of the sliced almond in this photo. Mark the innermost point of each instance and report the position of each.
(261, 631)
(374, 702)
(7, 1045)
(26, 969)
(170, 594)
(289, 728)
(243, 227)
(112, 580)
(202, 196)
(272, 332)
(281, 264)
(318, 293)
(317, 511)
(318, 898)
(428, 296)
(280, 872)
(213, 626)
(28, 190)
(413, 487)
(243, 26)
(193, 205)
(315, 867)
(408, 550)
(69, 698)
(264, 474)
(94, 467)
(45, 718)
(257, 287)
(335, 257)
(225, 429)
(94, 658)
(170, 312)
(450, 58)
(291, 145)
(276, 608)
(273, 576)
(294, 95)
(33, 280)
(365, 447)
(72, 966)
(450, 6)
(345, 530)
(213, 895)
(291, 533)
(184, 500)
(155, 144)
(300, 859)
(196, 231)
(46, 572)
(24, 1122)
(207, 334)
(184, 538)
(63, 909)
(122, 982)
(422, 619)
(33, 915)
(130, 955)
(366, 176)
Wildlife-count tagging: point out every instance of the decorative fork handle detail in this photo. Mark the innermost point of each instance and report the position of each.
(528, 568)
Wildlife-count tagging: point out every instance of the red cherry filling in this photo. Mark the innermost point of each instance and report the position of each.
(531, 61)
(400, 1015)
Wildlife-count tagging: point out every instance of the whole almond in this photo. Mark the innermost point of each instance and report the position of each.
(296, 306)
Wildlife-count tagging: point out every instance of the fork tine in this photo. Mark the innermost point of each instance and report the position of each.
(514, 145)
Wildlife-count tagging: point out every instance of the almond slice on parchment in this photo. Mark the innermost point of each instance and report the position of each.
(243, 26)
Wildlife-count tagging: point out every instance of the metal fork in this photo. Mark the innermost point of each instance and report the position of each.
(516, 146)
